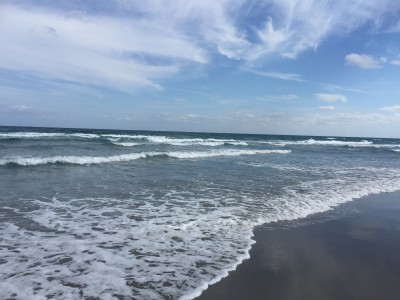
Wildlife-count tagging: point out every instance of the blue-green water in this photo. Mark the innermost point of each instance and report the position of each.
(161, 215)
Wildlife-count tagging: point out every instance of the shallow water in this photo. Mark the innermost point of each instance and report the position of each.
(348, 253)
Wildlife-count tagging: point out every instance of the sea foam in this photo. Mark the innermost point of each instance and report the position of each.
(88, 160)
(173, 247)
(312, 142)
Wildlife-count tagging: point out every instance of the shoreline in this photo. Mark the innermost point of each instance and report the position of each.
(349, 252)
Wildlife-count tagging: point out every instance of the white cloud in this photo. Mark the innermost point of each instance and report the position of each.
(102, 51)
(278, 75)
(395, 62)
(20, 108)
(284, 97)
(327, 108)
(348, 118)
(362, 61)
(394, 108)
(331, 97)
(277, 122)
(293, 26)
(140, 43)
(289, 97)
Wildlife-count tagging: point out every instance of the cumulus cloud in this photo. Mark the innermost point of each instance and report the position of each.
(362, 61)
(331, 97)
(395, 62)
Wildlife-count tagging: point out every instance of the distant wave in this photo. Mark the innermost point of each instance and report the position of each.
(132, 140)
(363, 143)
(115, 139)
(86, 160)
(28, 135)
(126, 140)
(125, 144)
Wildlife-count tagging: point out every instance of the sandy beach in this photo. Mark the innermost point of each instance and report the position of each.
(351, 252)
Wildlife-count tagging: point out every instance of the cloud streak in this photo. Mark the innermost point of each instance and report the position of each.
(332, 98)
(394, 108)
(278, 75)
(327, 107)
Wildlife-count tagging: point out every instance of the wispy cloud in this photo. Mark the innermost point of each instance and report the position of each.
(286, 28)
(394, 108)
(284, 97)
(349, 118)
(21, 108)
(300, 78)
(277, 75)
(327, 107)
(95, 50)
(294, 26)
(331, 97)
(129, 44)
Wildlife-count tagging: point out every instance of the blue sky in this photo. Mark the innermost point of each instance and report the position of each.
(278, 67)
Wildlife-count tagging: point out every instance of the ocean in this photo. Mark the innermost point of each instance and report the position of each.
(112, 214)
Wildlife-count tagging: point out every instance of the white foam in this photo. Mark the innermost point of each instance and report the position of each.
(29, 135)
(87, 160)
(230, 152)
(116, 138)
(174, 141)
(171, 247)
(78, 160)
(125, 144)
(83, 135)
(33, 135)
(103, 262)
(311, 142)
(385, 146)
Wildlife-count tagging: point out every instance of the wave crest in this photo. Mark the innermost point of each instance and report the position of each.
(88, 160)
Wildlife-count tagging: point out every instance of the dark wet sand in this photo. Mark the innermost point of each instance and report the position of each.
(352, 252)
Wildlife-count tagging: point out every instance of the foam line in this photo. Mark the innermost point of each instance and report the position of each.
(87, 160)
(311, 142)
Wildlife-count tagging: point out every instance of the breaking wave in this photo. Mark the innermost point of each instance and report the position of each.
(87, 160)
(363, 143)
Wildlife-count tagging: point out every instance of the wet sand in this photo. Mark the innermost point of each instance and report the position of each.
(352, 252)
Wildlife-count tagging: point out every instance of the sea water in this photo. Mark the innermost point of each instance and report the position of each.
(107, 214)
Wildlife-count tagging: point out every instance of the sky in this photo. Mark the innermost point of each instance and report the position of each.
(300, 67)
